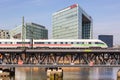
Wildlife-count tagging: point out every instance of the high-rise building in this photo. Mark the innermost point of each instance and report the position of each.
(31, 31)
(71, 23)
(4, 34)
(108, 39)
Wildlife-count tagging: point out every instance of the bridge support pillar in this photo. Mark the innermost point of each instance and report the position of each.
(118, 75)
(12, 73)
(7, 73)
(55, 73)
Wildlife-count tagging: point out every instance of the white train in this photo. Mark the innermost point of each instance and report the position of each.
(50, 43)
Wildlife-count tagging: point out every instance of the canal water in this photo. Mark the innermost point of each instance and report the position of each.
(96, 73)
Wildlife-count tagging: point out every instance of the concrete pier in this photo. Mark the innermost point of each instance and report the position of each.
(118, 74)
(7, 73)
(54, 73)
(4, 75)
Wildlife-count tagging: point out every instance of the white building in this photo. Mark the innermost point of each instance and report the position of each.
(71, 23)
(4, 34)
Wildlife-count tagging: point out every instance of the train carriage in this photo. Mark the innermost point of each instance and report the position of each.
(53, 43)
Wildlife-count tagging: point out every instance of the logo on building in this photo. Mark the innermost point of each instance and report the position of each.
(73, 6)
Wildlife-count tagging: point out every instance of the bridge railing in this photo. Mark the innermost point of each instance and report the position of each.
(59, 57)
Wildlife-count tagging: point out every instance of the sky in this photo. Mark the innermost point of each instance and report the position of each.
(105, 14)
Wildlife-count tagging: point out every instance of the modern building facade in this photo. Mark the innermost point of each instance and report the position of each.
(108, 39)
(31, 31)
(71, 23)
(4, 34)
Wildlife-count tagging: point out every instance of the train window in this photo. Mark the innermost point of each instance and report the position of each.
(23, 42)
(82, 43)
(89, 43)
(49, 42)
(27, 42)
(39, 42)
(55, 42)
(98, 43)
(61, 42)
(74, 42)
(0, 42)
(66, 42)
(35, 42)
(42, 42)
(77, 42)
(71, 42)
(19, 43)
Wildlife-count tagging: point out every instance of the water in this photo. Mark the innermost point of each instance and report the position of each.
(95, 73)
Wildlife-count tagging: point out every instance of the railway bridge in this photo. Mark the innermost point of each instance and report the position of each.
(69, 57)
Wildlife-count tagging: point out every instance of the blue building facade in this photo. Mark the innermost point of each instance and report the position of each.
(108, 39)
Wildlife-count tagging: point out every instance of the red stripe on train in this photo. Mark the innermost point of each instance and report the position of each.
(35, 45)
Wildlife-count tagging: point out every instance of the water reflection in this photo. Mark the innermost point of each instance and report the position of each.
(101, 73)
(30, 74)
(54, 78)
(106, 73)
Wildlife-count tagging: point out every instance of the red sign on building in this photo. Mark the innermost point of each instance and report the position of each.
(73, 6)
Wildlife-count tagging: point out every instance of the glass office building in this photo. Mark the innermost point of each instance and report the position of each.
(71, 23)
(31, 30)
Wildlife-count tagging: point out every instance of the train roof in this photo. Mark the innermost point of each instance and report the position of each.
(82, 40)
(74, 40)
